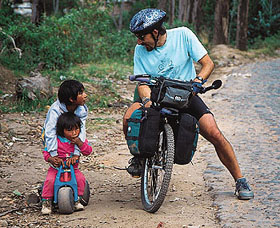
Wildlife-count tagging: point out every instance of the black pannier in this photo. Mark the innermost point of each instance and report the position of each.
(172, 93)
(143, 132)
(186, 133)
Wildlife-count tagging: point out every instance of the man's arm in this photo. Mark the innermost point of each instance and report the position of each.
(207, 66)
(144, 92)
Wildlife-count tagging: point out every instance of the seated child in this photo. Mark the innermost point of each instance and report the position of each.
(68, 128)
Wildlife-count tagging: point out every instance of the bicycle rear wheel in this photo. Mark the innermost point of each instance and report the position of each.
(157, 172)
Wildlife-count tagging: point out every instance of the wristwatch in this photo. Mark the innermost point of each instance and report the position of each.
(145, 100)
(199, 78)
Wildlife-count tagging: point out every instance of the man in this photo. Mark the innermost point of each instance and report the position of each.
(170, 53)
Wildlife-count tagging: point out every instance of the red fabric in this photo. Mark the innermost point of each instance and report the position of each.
(65, 148)
(48, 188)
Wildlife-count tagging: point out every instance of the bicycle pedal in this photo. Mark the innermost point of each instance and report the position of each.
(119, 168)
(136, 176)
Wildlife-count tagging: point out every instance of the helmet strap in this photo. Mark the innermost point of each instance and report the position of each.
(155, 39)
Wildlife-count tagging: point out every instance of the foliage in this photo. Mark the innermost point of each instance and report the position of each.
(268, 45)
(25, 105)
(264, 19)
(208, 9)
(99, 80)
(82, 35)
(233, 21)
(84, 44)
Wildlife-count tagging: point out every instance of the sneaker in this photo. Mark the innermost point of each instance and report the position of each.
(46, 207)
(135, 167)
(78, 206)
(243, 189)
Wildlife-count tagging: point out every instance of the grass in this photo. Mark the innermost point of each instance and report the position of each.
(268, 46)
(98, 78)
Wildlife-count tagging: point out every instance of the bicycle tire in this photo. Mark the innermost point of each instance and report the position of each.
(164, 158)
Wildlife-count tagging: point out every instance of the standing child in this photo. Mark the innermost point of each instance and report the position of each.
(71, 98)
(68, 128)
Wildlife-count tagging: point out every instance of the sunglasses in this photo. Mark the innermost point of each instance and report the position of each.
(140, 36)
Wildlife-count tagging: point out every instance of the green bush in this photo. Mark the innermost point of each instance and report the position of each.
(82, 35)
(267, 45)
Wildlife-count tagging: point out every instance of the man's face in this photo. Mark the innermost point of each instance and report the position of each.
(146, 40)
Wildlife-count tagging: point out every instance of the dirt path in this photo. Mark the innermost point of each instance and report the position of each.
(115, 196)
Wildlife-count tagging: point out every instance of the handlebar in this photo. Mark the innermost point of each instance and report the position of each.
(140, 78)
(215, 85)
(147, 78)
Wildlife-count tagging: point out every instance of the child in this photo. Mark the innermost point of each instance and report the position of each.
(71, 98)
(68, 128)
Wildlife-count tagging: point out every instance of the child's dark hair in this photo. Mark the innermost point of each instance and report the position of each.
(67, 120)
(69, 89)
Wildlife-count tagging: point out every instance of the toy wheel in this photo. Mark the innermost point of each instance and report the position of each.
(86, 195)
(40, 190)
(65, 200)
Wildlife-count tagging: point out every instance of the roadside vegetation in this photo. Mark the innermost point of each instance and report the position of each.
(84, 44)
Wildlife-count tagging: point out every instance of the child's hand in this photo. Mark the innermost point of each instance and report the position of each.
(77, 141)
(72, 160)
(56, 161)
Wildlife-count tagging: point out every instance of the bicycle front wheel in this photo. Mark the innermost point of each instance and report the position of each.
(157, 172)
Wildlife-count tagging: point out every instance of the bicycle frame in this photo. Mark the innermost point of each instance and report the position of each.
(158, 169)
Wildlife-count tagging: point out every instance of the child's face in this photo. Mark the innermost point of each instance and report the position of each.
(71, 134)
(81, 98)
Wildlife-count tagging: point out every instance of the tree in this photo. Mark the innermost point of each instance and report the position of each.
(162, 4)
(182, 10)
(36, 11)
(196, 14)
(221, 22)
(242, 25)
(189, 11)
(171, 12)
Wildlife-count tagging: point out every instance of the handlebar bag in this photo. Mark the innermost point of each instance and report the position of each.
(186, 133)
(142, 132)
(172, 93)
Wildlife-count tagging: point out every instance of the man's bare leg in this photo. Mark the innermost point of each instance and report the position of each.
(210, 131)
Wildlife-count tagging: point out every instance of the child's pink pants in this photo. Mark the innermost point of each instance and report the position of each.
(48, 188)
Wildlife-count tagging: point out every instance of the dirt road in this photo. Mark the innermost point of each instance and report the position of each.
(115, 196)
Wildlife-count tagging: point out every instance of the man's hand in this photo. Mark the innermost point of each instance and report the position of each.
(148, 104)
(56, 161)
(72, 160)
(196, 87)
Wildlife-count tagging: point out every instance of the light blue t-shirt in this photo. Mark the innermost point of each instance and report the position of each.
(172, 60)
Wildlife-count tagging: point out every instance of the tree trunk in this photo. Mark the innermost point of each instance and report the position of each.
(37, 10)
(196, 11)
(172, 12)
(121, 16)
(221, 22)
(182, 10)
(55, 6)
(189, 11)
(162, 4)
(242, 25)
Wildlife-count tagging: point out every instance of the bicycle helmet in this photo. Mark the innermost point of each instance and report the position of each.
(146, 20)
